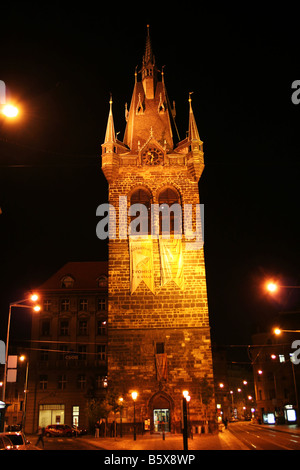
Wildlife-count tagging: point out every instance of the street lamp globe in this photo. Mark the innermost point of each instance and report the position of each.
(10, 111)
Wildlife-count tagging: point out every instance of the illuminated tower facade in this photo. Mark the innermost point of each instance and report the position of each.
(158, 323)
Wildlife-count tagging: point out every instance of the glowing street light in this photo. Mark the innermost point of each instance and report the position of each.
(271, 287)
(134, 397)
(10, 111)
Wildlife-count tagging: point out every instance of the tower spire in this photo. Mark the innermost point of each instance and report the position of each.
(148, 57)
(193, 130)
(110, 135)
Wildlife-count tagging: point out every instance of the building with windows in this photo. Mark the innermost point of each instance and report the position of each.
(276, 378)
(159, 335)
(68, 353)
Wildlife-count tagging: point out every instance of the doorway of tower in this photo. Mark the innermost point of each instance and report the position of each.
(161, 419)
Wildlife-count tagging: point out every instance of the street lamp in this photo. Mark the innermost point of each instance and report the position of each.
(134, 397)
(121, 407)
(273, 286)
(185, 394)
(19, 303)
(22, 359)
(10, 111)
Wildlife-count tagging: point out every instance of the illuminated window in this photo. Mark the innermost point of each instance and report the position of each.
(281, 358)
(75, 420)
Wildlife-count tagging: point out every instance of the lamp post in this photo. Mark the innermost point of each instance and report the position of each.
(18, 303)
(134, 397)
(185, 394)
(22, 359)
(121, 408)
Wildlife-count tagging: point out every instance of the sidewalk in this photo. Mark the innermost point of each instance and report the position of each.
(221, 441)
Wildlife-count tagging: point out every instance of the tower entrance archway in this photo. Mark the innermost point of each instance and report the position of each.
(160, 410)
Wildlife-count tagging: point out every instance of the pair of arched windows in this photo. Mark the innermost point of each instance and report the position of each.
(169, 211)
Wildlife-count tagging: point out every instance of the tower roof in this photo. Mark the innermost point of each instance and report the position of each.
(149, 111)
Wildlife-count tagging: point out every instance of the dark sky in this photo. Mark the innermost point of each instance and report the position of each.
(60, 66)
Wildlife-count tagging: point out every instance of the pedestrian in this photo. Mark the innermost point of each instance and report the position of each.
(41, 432)
(97, 427)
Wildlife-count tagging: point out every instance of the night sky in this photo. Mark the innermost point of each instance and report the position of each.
(60, 66)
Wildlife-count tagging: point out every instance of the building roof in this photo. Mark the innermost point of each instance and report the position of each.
(85, 275)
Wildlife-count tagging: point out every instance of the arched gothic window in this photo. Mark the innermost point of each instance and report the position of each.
(170, 212)
(140, 211)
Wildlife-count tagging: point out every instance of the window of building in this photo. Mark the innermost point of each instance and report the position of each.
(45, 328)
(102, 281)
(44, 353)
(81, 381)
(170, 218)
(62, 382)
(47, 305)
(65, 305)
(51, 414)
(101, 381)
(101, 352)
(83, 327)
(82, 350)
(67, 282)
(64, 328)
(281, 358)
(160, 348)
(142, 216)
(102, 303)
(75, 416)
(43, 382)
(101, 327)
(83, 305)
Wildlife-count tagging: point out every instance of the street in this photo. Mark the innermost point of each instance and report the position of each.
(238, 436)
(265, 438)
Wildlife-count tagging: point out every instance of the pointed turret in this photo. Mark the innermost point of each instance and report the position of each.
(193, 130)
(195, 146)
(111, 148)
(110, 136)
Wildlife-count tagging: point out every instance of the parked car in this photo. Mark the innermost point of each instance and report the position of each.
(59, 430)
(5, 442)
(19, 441)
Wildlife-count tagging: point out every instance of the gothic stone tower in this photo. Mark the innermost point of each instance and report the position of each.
(158, 324)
